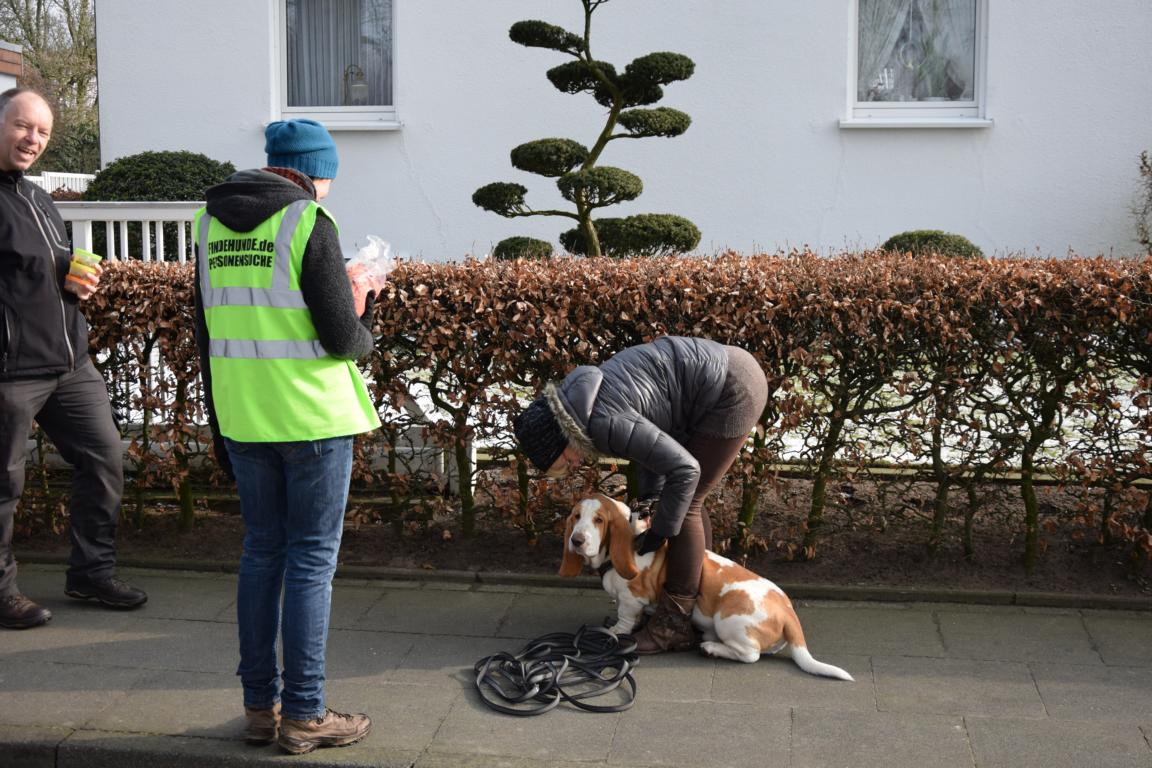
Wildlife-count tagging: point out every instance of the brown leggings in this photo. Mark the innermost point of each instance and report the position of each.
(686, 550)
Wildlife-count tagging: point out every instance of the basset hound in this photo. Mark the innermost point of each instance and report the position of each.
(741, 615)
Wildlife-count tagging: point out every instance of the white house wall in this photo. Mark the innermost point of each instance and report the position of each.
(764, 166)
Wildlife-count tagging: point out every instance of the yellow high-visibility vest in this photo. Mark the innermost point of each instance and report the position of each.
(272, 381)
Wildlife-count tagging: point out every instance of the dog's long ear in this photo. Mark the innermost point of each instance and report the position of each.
(571, 563)
(620, 544)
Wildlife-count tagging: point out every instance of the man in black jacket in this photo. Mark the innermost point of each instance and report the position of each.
(47, 376)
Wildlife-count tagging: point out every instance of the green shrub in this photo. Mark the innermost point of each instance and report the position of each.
(154, 176)
(158, 176)
(522, 248)
(921, 242)
(645, 234)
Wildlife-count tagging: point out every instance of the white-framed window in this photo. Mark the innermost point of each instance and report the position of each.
(918, 63)
(336, 62)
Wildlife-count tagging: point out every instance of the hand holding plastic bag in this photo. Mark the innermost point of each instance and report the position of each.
(368, 270)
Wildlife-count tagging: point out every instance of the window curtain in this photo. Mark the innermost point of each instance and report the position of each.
(913, 50)
(955, 25)
(881, 25)
(339, 52)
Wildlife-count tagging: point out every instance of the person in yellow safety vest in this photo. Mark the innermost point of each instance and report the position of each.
(278, 336)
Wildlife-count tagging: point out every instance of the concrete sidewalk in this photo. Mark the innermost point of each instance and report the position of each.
(940, 685)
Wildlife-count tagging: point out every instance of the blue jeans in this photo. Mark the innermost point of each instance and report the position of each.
(292, 496)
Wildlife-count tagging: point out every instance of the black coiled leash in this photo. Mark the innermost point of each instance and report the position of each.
(560, 667)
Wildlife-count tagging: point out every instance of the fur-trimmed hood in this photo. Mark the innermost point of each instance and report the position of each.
(575, 431)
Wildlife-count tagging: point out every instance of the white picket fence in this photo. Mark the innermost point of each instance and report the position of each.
(50, 181)
(83, 217)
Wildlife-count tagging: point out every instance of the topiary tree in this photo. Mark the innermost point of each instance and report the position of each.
(582, 182)
(154, 176)
(921, 242)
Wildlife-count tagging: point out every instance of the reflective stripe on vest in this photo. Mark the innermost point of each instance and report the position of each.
(266, 350)
(280, 295)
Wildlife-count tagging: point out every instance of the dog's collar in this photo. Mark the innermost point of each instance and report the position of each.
(603, 568)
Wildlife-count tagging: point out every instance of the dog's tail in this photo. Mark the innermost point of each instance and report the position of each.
(798, 649)
(810, 665)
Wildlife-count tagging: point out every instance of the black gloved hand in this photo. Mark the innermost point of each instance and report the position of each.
(649, 541)
(369, 305)
(220, 452)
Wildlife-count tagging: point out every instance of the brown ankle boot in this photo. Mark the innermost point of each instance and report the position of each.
(670, 628)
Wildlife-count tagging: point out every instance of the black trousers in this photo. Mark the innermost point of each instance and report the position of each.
(73, 410)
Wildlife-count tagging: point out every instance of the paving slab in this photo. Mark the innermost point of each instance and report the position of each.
(436, 660)
(886, 630)
(356, 653)
(685, 677)
(822, 738)
(1122, 640)
(189, 595)
(72, 635)
(1017, 743)
(1118, 694)
(438, 612)
(916, 685)
(779, 679)
(564, 733)
(351, 604)
(451, 760)
(38, 694)
(101, 749)
(405, 717)
(531, 616)
(706, 733)
(25, 747)
(177, 703)
(190, 646)
(1018, 636)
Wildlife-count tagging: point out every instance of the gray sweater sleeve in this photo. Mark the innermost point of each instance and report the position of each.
(328, 294)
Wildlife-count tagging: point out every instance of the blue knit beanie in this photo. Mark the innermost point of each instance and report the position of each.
(304, 145)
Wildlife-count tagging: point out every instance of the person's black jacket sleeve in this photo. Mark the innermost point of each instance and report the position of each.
(327, 292)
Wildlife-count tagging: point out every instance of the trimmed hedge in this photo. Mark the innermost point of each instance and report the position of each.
(959, 369)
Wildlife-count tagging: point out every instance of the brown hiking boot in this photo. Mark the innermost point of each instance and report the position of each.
(670, 628)
(334, 729)
(18, 612)
(261, 725)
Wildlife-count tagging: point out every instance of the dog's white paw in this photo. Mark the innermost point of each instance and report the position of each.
(709, 648)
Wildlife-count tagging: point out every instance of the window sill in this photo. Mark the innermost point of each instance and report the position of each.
(915, 122)
(362, 125)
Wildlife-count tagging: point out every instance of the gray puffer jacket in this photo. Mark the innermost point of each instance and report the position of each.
(642, 405)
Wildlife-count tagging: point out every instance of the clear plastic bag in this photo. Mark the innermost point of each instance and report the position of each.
(368, 270)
